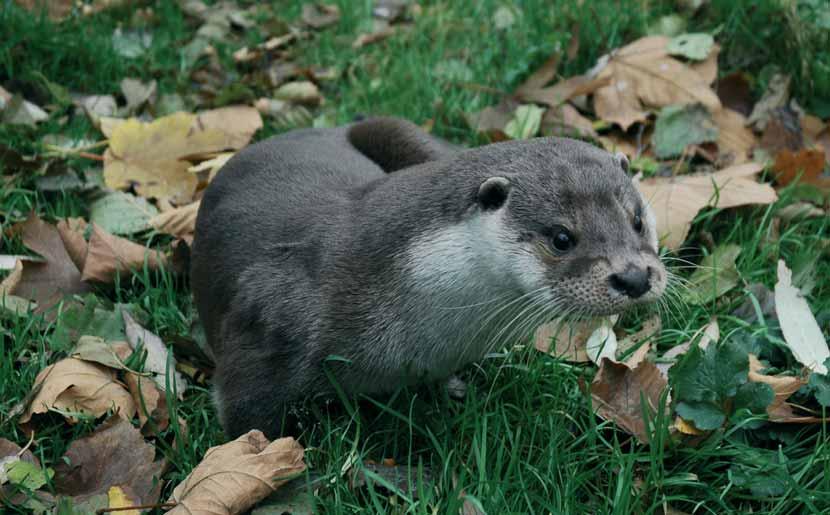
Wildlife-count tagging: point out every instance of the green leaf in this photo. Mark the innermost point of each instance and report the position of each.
(88, 317)
(680, 126)
(711, 385)
(670, 25)
(525, 123)
(819, 384)
(716, 275)
(705, 415)
(27, 475)
(695, 46)
(121, 213)
(751, 400)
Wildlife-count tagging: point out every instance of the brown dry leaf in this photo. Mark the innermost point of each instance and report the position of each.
(157, 355)
(233, 477)
(179, 222)
(238, 123)
(320, 16)
(614, 142)
(563, 91)
(643, 76)
(541, 77)
(677, 200)
(109, 256)
(566, 121)
(811, 126)
(616, 394)
(775, 97)
(782, 386)
(207, 170)
(71, 231)
(651, 327)
(806, 166)
(75, 385)
(570, 339)
(58, 275)
(492, 120)
(11, 281)
(150, 401)
(735, 92)
(114, 455)
(734, 138)
(638, 356)
(687, 428)
(786, 414)
(380, 31)
(302, 92)
(151, 157)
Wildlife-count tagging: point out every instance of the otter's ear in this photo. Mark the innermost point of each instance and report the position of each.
(493, 193)
(623, 160)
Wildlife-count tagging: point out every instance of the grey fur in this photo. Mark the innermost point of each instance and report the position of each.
(307, 247)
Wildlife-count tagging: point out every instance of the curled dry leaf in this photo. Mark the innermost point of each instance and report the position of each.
(643, 76)
(179, 222)
(801, 331)
(109, 256)
(74, 385)
(299, 92)
(564, 90)
(568, 338)
(677, 200)
(57, 275)
(776, 96)
(320, 16)
(566, 121)
(114, 455)
(233, 477)
(618, 392)
(782, 386)
(157, 355)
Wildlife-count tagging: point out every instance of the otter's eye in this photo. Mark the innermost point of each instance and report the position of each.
(638, 223)
(563, 241)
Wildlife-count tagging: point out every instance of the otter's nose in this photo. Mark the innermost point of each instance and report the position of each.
(633, 282)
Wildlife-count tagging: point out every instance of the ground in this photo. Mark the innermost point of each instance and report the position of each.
(525, 438)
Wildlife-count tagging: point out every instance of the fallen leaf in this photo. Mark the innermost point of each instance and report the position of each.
(121, 213)
(319, 16)
(716, 275)
(299, 92)
(131, 43)
(525, 122)
(97, 350)
(776, 96)
(73, 385)
(642, 76)
(782, 386)
(57, 276)
(618, 393)
(679, 126)
(694, 46)
(109, 256)
(158, 356)
(569, 338)
(805, 166)
(492, 120)
(735, 93)
(114, 455)
(765, 299)
(233, 477)
(563, 91)
(389, 476)
(801, 331)
(711, 385)
(137, 93)
(96, 106)
(151, 157)
(782, 132)
(19, 111)
(541, 77)
(11, 281)
(800, 211)
(677, 200)
(602, 343)
(179, 222)
(651, 327)
(734, 138)
(118, 499)
(565, 121)
(708, 68)
(380, 31)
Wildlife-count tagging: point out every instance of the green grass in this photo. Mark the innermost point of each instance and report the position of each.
(524, 440)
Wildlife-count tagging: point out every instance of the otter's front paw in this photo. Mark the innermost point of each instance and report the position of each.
(456, 388)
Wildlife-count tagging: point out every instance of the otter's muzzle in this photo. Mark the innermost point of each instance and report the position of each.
(633, 282)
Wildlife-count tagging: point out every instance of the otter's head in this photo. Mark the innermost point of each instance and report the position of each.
(579, 228)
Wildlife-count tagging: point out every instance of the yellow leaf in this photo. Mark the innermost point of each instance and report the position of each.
(118, 498)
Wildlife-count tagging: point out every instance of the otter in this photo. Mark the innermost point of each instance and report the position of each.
(375, 255)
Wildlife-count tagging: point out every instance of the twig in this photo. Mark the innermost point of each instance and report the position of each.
(138, 507)
(88, 155)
